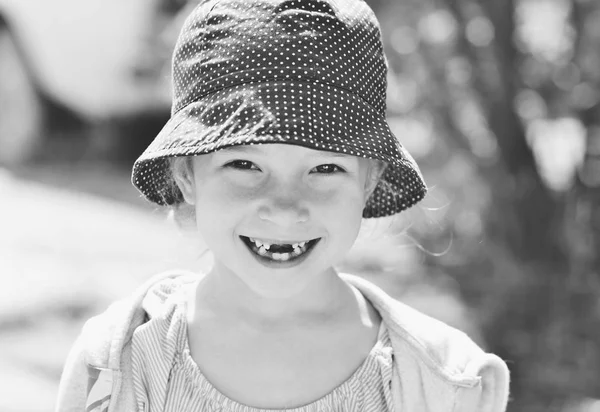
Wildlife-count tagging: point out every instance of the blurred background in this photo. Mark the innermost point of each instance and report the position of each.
(498, 101)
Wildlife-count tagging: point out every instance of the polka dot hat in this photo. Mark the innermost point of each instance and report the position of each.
(303, 72)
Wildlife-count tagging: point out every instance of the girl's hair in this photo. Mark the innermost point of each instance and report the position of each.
(184, 215)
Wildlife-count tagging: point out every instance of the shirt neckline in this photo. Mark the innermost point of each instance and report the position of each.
(344, 390)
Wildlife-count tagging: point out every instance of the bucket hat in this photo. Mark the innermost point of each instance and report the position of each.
(303, 72)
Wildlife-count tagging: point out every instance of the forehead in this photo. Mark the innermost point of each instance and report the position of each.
(281, 148)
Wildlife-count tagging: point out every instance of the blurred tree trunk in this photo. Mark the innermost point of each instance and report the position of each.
(582, 236)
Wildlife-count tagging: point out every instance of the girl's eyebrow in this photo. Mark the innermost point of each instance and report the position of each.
(324, 153)
(255, 149)
(240, 148)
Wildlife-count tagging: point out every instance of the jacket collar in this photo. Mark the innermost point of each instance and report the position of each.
(425, 338)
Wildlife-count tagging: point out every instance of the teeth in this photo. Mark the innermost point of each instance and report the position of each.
(281, 256)
(263, 247)
(259, 243)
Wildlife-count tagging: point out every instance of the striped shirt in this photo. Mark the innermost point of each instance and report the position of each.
(167, 379)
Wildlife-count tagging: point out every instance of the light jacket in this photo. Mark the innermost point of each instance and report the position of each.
(436, 368)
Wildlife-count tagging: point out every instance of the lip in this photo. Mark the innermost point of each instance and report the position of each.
(280, 264)
(280, 241)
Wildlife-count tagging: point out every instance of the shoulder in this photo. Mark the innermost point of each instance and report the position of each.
(106, 338)
(433, 356)
(103, 336)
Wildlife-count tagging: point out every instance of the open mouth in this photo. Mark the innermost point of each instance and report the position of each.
(281, 252)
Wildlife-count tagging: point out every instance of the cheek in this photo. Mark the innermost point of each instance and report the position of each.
(216, 207)
(219, 193)
(342, 210)
(221, 207)
(347, 197)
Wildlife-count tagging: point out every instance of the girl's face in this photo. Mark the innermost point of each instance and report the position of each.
(277, 215)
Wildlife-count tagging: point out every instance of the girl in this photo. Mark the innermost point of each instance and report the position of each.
(277, 147)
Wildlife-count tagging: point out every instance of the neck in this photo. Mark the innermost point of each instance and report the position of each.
(224, 294)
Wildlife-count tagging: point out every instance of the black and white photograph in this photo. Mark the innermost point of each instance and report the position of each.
(300, 205)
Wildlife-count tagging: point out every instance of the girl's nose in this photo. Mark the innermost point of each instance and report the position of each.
(284, 211)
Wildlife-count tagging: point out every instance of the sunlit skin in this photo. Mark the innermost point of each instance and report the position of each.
(278, 192)
(253, 325)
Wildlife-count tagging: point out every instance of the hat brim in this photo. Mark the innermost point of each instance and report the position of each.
(309, 114)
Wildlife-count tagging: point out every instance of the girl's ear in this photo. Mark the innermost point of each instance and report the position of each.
(183, 174)
(376, 169)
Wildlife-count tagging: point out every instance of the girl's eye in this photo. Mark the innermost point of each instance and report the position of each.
(328, 169)
(242, 165)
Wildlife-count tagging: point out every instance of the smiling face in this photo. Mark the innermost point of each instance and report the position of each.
(277, 216)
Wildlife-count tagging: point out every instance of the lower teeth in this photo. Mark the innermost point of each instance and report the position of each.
(277, 256)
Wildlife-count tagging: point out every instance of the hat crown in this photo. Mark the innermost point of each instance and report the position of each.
(225, 43)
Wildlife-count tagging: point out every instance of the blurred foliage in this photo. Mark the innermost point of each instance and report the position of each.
(499, 101)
